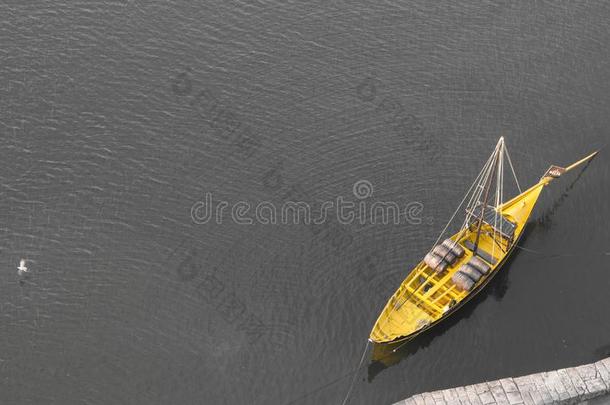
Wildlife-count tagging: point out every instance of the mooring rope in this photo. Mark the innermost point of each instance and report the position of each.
(351, 386)
(562, 254)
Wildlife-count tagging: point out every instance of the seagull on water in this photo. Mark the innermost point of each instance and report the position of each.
(22, 269)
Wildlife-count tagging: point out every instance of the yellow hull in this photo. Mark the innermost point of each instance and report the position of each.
(425, 297)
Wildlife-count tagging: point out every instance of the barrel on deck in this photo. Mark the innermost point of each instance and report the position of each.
(479, 264)
(455, 247)
(462, 281)
(435, 262)
(471, 272)
(445, 253)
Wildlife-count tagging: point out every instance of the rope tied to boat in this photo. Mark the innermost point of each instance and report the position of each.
(534, 251)
(351, 386)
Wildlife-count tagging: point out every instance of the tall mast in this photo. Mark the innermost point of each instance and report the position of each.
(487, 187)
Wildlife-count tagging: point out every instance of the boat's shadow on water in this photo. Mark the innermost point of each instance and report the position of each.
(388, 355)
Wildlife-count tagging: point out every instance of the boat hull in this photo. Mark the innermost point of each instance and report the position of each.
(429, 295)
(414, 309)
(460, 304)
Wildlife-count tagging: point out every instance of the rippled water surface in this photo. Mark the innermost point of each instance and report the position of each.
(117, 116)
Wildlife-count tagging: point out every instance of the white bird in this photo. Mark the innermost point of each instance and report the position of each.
(22, 269)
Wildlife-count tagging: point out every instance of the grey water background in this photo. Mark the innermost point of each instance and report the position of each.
(117, 116)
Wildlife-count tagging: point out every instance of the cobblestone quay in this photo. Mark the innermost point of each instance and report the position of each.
(575, 385)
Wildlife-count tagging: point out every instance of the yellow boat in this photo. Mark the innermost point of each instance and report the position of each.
(458, 268)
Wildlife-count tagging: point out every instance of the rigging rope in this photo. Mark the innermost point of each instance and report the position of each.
(484, 172)
(497, 198)
(481, 178)
(487, 186)
(510, 163)
(462, 202)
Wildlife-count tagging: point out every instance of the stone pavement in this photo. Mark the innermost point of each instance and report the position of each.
(566, 386)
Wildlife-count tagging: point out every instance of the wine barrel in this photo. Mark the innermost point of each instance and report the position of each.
(462, 281)
(479, 264)
(471, 272)
(435, 262)
(445, 253)
(456, 248)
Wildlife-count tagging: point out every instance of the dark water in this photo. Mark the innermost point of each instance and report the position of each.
(117, 116)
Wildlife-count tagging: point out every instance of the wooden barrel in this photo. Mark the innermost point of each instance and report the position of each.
(471, 272)
(456, 248)
(435, 262)
(445, 253)
(479, 264)
(462, 281)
